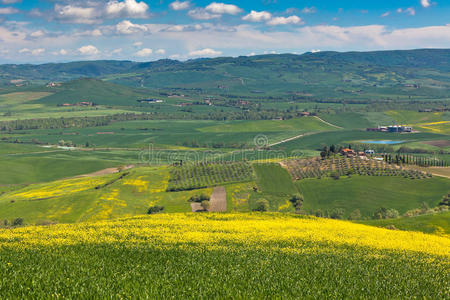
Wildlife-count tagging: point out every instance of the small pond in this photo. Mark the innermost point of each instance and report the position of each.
(382, 142)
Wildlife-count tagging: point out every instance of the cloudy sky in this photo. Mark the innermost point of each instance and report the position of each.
(37, 31)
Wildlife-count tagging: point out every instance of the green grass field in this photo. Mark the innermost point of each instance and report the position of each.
(434, 223)
(348, 120)
(275, 185)
(368, 193)
(304, 124)
(345, 137)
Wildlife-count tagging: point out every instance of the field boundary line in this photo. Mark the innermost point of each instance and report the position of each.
(292, 138)
(328, 123)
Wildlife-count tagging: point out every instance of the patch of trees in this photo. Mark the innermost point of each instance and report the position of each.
(335, 167)
(155, 209)
(421, 161)
(203, 199)
(17, 222)
(202, 175)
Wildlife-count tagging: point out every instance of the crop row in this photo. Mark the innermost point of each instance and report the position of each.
(201, 175)
(340, 166)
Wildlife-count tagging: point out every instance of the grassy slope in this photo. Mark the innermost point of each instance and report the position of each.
(300, 124)
(222, 256)
(370, 193)
(317, 141)
(348, 120)
(175, 132)
(74, 200)
(93, 90)
(435, 223)
(413, 117)
(275, 185)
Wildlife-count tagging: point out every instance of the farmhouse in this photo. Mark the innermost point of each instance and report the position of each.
(150, 101)
(348, 152)
(391, 128)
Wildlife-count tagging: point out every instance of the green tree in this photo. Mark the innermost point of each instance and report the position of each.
(261, 205)
(337, 213)
(355, 215)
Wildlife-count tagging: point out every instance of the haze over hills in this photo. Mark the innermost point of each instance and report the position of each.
(422, 73)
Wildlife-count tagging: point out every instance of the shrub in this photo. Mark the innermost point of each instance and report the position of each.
(337, 213)
(17, 222)
(297, 201)
(355, 215)
(261, 205)
(319, 213)
(205, 205)
(334, 175)
(155, 209)
(197, 198)
(391, 214)
(384, 213)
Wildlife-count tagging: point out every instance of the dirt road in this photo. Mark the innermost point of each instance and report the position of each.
(218, 202)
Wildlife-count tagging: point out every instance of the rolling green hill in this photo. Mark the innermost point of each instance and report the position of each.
(325, 75)
(94, 90)
(434, 223)
(371, 192)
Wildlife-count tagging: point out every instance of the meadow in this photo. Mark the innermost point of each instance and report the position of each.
(369, 193)
(222, 256)
(438, 223)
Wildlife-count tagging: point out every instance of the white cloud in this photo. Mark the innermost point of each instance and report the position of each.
(180, 5)
(126, 27)
(315, 50)
(38, 51)
(207, 52)
(127, 8)
(88, 50)
(284, 21)
(160, 51)
(75, 14)
(309, 10)
(96, 12)
(386, 14)
(257, 16)
(117, 51)
(10, 1)
(425, 3)
(144, 52)
(410, 11)
(35, 52)
(37, 34)
(137, 44)
(8, 10)
(202, 14)
(24, 50)
(62, 52)
(222, 8)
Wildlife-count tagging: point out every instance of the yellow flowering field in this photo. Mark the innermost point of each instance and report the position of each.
(221, 256)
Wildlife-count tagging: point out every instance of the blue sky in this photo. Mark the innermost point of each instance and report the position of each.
(61, 30)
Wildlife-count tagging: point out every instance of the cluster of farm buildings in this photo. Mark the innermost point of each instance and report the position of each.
(392, 128)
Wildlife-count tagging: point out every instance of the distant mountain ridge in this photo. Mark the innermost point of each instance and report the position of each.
(339, 73)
